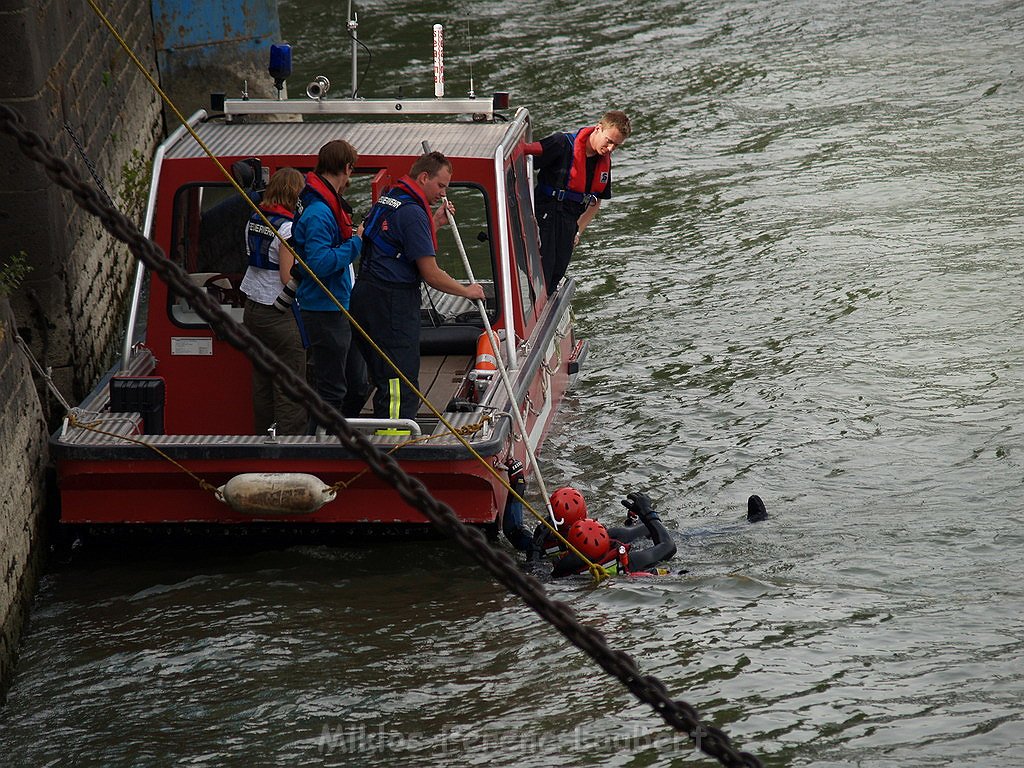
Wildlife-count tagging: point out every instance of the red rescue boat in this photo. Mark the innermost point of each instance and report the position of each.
(173, 419)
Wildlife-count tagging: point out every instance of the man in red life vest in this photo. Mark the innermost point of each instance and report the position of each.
(324, 237)
(574, 174)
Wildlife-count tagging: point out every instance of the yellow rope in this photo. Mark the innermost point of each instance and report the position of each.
(227, 175)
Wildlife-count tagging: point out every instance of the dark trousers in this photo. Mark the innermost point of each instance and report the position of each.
(279, 331)
(358, 387)
(390, 314)
(337, 376)
(557, 223)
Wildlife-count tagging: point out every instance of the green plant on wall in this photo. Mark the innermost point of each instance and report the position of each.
(134, 188)
(12, 272)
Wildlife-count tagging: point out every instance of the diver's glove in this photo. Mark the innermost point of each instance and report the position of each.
(640, 507)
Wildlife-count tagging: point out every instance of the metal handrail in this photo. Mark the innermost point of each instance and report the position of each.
(147, 230)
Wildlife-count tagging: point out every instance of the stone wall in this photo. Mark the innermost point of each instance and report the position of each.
(23, 458)
(62, 67)
(66, 70)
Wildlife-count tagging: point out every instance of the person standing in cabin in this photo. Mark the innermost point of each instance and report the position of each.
(400, 251)
(269, 268)
(574, 174)
(222, 228)
(324, 238)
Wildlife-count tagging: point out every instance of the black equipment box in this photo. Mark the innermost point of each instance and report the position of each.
(142, 394)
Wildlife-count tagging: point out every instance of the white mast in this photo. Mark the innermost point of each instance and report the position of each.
(438, 61)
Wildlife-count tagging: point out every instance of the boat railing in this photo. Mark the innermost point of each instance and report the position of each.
(134, 304)
(479, 109)
(519, 127)
(399, 427)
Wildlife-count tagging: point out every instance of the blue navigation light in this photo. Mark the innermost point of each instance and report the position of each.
(280, 63)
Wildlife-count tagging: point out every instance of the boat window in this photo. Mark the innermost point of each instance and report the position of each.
(208, 242)
(471, 217)
(524, 237)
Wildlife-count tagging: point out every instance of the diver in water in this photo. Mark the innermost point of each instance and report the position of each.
(611, 548)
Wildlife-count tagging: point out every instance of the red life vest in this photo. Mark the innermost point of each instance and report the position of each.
(330, 196)
(578, 171)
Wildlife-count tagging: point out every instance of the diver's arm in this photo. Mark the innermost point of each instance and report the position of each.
(664, 547)
(536, 550)
(629, 533)
(567, 565)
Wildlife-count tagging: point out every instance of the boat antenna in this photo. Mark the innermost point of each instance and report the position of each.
(352, 26)
(469, 35)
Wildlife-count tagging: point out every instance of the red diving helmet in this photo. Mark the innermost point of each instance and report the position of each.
(590, 538)
(567, 506)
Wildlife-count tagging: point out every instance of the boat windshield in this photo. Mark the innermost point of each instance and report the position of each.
(208, 242)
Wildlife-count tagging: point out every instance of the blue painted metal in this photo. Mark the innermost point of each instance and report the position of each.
(190, 34)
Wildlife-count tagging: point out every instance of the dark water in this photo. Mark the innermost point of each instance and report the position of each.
(808, 286)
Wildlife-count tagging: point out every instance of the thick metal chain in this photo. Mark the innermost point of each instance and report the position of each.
(648, 689)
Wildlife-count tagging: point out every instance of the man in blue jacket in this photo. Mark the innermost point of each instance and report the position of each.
(324, 238)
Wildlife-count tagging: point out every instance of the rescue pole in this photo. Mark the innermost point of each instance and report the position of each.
(496, 346)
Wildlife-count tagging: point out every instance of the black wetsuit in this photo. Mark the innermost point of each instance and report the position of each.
(633, 561)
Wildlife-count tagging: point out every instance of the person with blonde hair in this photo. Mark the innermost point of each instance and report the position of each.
(270, 265)
(574, 174)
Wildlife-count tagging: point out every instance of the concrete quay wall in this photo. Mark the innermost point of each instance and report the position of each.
(65, 74)
(23, 457)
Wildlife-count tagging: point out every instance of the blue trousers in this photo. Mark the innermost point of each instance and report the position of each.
(390, 314)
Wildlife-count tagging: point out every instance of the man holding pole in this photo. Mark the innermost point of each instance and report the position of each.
(399, 250)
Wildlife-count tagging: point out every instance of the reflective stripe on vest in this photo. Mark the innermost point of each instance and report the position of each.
(259, 237)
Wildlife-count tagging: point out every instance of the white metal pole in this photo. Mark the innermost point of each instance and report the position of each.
(496, 346)
(438, 61)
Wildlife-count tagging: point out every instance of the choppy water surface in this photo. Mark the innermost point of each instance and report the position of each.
(808, 286)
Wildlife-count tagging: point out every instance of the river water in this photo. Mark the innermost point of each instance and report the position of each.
(807, 286)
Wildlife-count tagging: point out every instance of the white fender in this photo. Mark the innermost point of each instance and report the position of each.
(269, 493)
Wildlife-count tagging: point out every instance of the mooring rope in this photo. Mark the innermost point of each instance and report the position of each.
(649, 689)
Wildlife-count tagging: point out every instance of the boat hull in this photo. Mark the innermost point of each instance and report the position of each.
(148, 492)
